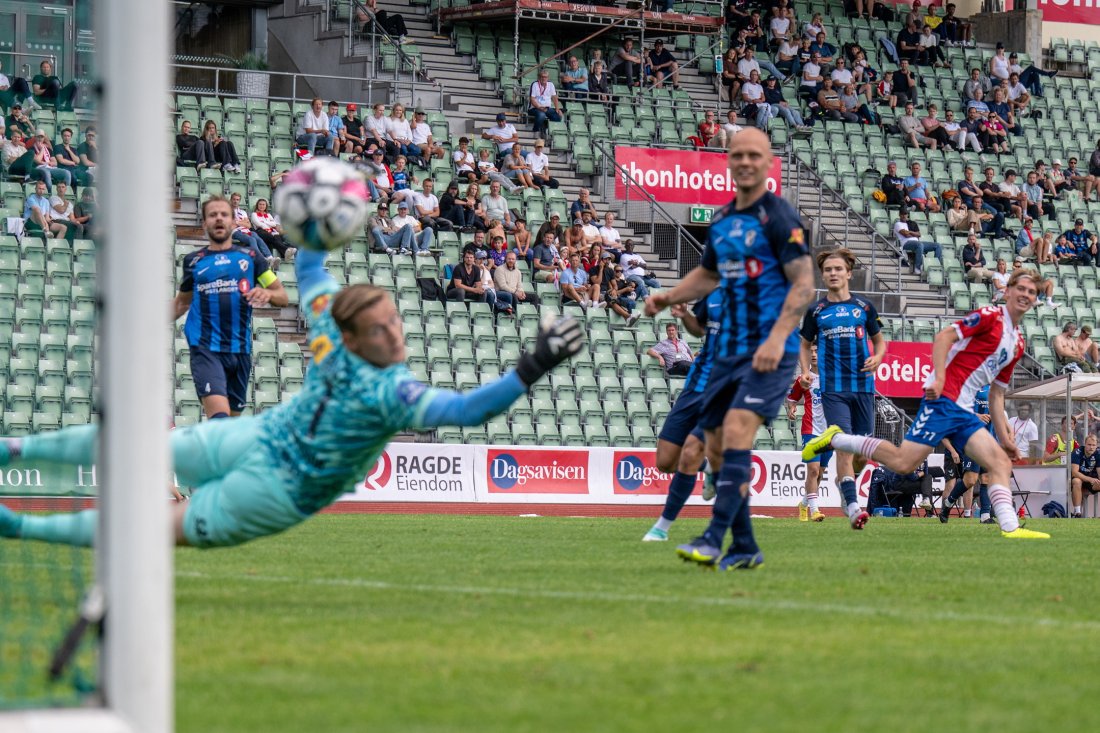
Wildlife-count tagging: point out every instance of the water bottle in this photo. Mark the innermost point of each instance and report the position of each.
(718, 63)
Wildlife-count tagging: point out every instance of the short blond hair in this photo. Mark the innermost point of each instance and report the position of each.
(351, 300)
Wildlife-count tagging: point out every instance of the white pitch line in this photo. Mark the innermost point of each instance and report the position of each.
(922, 616)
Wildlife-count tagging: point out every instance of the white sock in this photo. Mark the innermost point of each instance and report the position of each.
(853, 509)
(1001, 498)
(984, 516)
(1077, 509)
(966, 513)
(811, 503)
(863, 445)
(663, 523)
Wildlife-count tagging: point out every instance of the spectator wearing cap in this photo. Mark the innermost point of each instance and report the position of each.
(388, 237)
(454, 208)
(1082, 242)
(504, 136)
(46, 164)
(18, 120)
(422, 138)
(354, 138)
(662, 65)
(539, 165)
(509, 279)
(12, 91)
(601, 272)
(422, 236)
(543, 102)
(1029, 77)
(908, 236)
(1056, 179)
(974, 260)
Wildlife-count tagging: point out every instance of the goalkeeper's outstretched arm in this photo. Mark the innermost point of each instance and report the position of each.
(313, 279)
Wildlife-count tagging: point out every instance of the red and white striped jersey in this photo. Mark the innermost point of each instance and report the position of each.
(813, 417)
(986, 353)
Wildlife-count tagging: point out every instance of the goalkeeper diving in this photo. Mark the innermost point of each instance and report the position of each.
(258, 475)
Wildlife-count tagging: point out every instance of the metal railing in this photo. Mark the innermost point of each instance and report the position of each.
(25, 69)
(669, 237)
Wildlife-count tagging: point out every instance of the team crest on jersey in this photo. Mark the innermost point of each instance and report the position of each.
(319, 304)
(856, 313)
(972, 319)
(750, 238)
(244, 265)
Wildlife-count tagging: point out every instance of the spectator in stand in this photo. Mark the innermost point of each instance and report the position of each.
(999, 281)
(84, 213)
(786, 58)
(963, 219)
(628, 63)
(545, 261)
(974, 260)
(12, 91)
(968, 189)
(465, 163)
(779, 27)
(730, 78)
(225, 153)
(336, 137)
(489, 173)
(933, 128)
(1056, 179)
(917, 188)
(755, 107)
(959, 134)
(601, 271)
(69, 159)
(426, 208)
(993, 133)
(621, 296)
(313, 132)
(399, 132)
(908, 236)
(266, 226)
(998, 63)
(1089, 349)
(978, 103)
(575, 285)
(574, 235)
(976, 83)
(663, 66)
(591, 231)
(1085, 182)
(903, 84)
(908, 43)
(709, 130)
(554, 227)
(498, 303)
(1064, 253)
(539, 165)
(824, 48)
(1094, 162)
(190, 149)
(992, 221)
(516, 168)
(1067, 350)
(1036, 207)
(393, 24)
(47, 89)
(466, 281)
(828, 102)
(387, 237)
(1003, 111)
(930, 53)
(1018, 97)
(497, 254)
(773, 96)
(509, 280)
(471, 202)
(1082, 242)
(45, 163)
(62, 211)
(38, 215)
(1084, 465)
(1014, 195)
(403, 181)
(730, 127)
(893, 186)
(543, 102)
(243, 234)
(1027, 243)
(496, 207)
(453, 208)
(853, 105)
(599, 83)
(379, 177)
(609, 235)
(815, 26)
(422, 139)
(995, 196)
(811, 77)
(955, 30)
(755, 36)
(522, 237)
(354, 138)
(422, 236)
(575, 79)
(375, 131)
(634, 270)
(18, 120)
(584, 201)
(672, 353)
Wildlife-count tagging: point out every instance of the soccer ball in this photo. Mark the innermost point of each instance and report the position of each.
(322, 204)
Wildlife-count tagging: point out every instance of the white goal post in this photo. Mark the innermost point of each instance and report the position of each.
(134, 563)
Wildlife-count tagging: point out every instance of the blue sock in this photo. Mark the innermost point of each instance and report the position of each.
(65, 529)
(679, 490)
(983, 500)
(744, 543)
(73, 445)
(218, 416)
(956, 493)
(848, 490)
(736, 472)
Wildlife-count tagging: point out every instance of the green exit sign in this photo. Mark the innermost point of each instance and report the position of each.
(701, 214)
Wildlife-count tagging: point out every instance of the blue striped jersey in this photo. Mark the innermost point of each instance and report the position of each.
(220, 319)
(708, 312)
(748, 249)
(840, 330)
(981, 401)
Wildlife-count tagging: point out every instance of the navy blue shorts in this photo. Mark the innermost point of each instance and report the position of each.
(683, 420)
(221, 373)
(854, 412)
(942, 418)
(822, 458)
(735, 385)
(969, 465)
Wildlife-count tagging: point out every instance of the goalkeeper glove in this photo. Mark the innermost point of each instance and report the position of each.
(558, 339)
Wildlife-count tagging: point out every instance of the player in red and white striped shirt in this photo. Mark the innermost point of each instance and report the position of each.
(980, 349)
(808, 391)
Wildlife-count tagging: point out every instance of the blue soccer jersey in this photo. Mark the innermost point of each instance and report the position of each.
(708, 312)
(220, 319)
(1086, 464)
(840, 330)
(748, 249)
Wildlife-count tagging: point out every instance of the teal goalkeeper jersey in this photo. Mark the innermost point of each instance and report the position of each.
(327, 435)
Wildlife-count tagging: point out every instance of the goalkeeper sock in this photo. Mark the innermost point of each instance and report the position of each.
(64, 529)
(74, 445)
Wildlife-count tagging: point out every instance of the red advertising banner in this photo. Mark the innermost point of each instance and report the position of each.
(1069, 11)
(636, 472)
(904, 368)
(684, 176)
(536, 471)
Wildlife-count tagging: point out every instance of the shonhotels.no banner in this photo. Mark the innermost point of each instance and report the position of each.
(683, 176)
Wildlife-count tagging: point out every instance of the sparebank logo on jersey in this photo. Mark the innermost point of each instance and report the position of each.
(637, 473)
(378, 477)
(534, 471)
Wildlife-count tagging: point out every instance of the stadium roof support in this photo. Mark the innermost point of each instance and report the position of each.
(546, 11)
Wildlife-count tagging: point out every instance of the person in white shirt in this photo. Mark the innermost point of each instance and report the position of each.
(314, 130)
(1017, 94)
(464, 161)
(422, 235)
(496, 207)
(959, 134)
(422, 138)
(426, 208)
(811, 76)
(591, 233)
(488, 171)
(540, 167)
(998, 64)
(544, 104)
(503, 134)
(634, 271)
(62, 211)
(747, 64)
(752, 93)
(815, 26)
(731, 127)
(609, 235)
(1024, 429)
(375, 130)
(841, 75)
(399, 132)
(780, 25)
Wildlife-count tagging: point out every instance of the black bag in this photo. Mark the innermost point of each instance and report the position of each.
(430, 289)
